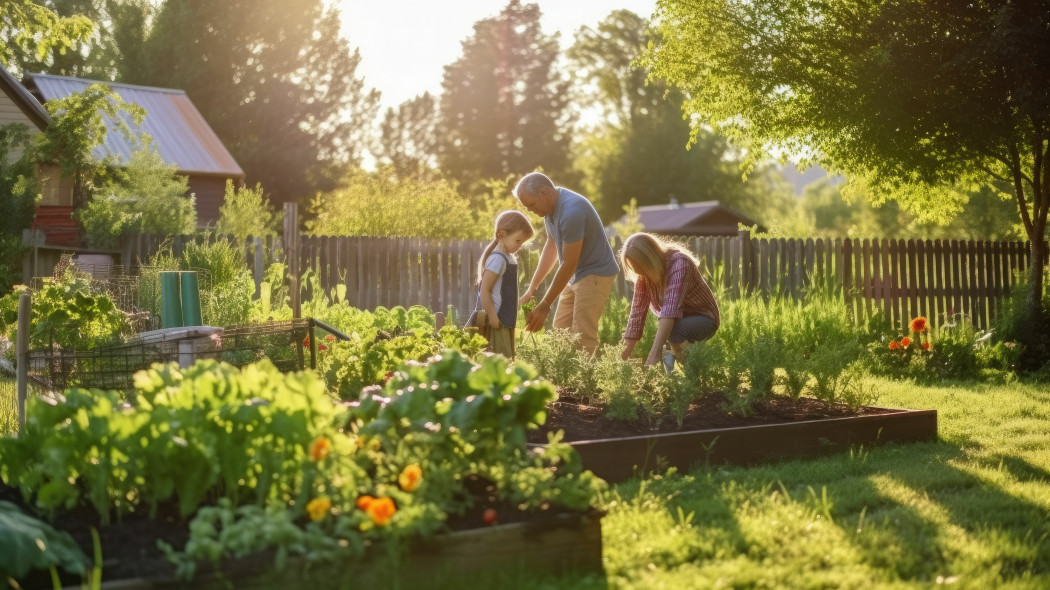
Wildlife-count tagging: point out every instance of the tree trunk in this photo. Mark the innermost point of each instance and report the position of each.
(1034, 335)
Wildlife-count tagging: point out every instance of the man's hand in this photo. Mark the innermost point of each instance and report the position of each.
(537, 317)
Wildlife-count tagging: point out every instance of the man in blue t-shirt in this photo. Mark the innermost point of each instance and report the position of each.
(588, 266)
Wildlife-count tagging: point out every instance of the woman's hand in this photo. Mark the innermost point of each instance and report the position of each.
(652, 360)
(628, 349)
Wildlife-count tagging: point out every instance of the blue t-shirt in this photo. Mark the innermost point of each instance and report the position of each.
(574, 219)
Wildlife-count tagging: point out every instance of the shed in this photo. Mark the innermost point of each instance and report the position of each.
(702, 218)
(180, 133)
(18, 106)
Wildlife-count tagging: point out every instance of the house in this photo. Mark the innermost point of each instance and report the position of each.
(703, 218)
(18, 106)
(180, 134)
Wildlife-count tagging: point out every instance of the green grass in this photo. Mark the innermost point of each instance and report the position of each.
(968, 511)
(8, 406)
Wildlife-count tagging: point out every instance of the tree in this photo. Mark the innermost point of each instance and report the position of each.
(274, 80)
(246, 212)
(639, 149)
(920, 101)
(28, 27)
(503, 110)
(408, 136)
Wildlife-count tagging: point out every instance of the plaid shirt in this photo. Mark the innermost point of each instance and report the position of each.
(687, 293)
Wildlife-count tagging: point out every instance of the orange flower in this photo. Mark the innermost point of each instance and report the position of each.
(306, 342)
(410, 478)
(364, 501)
(905, 342)
(918, 324)
(894, 345)
(381, 510)
(330, 337)
(320, 448)
(925, 345)
(318, 508)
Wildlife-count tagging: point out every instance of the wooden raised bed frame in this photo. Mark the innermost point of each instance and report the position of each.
(558, 545)
(619, 459)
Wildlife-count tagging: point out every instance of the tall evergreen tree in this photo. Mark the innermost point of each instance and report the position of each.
(274, 79)
(503, 110)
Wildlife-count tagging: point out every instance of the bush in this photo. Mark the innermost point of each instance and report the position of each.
(246, 212)
(226, 294)
(19, 188)
(145, 196)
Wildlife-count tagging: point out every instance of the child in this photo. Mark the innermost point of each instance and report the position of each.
(666, 279)
(497, 308)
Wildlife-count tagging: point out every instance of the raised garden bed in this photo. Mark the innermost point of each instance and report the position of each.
(778, 429)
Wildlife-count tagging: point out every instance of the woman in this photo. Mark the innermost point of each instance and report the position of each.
(666, 278)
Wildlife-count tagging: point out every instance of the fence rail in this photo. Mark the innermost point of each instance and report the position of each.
(900, 278)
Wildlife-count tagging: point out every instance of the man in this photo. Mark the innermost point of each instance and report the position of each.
(588, 266)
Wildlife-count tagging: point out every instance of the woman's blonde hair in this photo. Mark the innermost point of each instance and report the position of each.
(645, 255)
(507, 222)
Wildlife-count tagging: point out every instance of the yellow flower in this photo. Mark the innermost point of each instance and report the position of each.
(410, 478)
(320, 448)
(381, 510)
(318, 508)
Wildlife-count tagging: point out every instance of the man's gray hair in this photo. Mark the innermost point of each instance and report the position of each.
(532, 183)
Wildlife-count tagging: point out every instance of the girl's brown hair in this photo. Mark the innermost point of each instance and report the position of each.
(645, 255)
(507, 223)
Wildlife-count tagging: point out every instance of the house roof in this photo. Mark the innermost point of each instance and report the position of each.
(180, 133)
(25, 101)
(670, 218)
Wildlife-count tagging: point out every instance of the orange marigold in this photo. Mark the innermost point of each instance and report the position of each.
(918, 324)
(330, 338)
(364, 501)
(905, 342)
(318, 508)
(410, 478)
(894, 345)
(320, 448)
(381, 510)
(925, 345)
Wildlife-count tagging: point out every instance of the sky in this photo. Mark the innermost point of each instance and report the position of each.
(405, 44)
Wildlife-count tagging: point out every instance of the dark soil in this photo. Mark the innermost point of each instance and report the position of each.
(582, 422)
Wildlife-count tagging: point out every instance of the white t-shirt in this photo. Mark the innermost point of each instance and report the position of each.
(498, 265)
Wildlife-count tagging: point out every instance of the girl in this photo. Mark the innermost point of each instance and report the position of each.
(497, 308)
(667, 279)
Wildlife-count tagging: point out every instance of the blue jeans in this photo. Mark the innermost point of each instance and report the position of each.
(692, 328)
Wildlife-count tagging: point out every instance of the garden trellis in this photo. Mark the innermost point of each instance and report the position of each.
(900, 278)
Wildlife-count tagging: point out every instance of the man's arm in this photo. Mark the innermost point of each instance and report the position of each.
(548, 255)
(570, 257)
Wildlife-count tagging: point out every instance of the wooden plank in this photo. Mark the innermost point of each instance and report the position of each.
(819, 275)
(956, 277)
(865, 275)
(466, 273)
(808, 260)
(912, 255)
(847, 274)
(882, 268)
(920, 278)
(763, 260)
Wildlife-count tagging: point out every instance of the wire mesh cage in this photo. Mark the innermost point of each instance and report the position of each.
(289, 345)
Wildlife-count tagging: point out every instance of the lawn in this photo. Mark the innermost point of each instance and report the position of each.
(970, 511)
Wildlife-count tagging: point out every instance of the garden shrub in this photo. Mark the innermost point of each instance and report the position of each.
(226, 293)
(245, 212)
(19, 187)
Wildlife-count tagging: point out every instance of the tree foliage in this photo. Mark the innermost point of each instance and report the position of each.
(921, 101)
(408, 135)
(274, 80)
(503, 110)
(639, 149)
(33, 28)
(246, 212)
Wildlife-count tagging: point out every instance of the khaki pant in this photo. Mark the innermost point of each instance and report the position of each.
(580, 307)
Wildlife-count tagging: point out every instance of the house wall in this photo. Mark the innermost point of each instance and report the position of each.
(210, 192)
(10, 112)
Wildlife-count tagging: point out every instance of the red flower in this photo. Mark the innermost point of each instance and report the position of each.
(905, 342)
(389, 374)
(894, 345)
(306, 342)
(918, 324)
(322, 348)
(925, 345)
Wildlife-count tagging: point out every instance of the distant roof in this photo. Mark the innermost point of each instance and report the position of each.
(180, 133)
(24, 100)
(671, 218)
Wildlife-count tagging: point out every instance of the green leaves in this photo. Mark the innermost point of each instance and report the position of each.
(27, 544)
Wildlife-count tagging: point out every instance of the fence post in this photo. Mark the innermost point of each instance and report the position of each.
(259, 267)
(747, 254)
(22, 358)
(291, 251)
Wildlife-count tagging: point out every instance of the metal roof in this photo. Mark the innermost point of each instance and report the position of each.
(665, 218)
(25, 101)
(180, 133)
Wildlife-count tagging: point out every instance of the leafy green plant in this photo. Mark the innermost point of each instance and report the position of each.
(246, 212)
(28, 544)
(208, 431)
